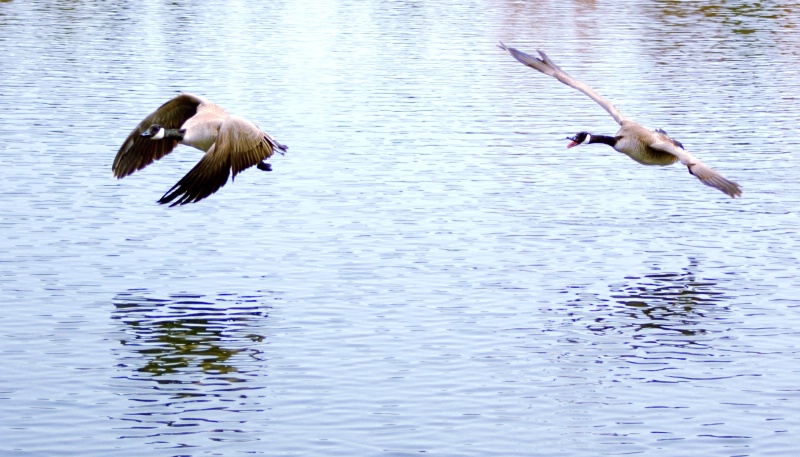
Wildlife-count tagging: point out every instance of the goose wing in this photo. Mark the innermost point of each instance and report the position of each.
(703, 172)
(548, 67)
(138, 152)
(240, 145)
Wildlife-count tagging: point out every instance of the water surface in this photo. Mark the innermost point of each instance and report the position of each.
(428, 270)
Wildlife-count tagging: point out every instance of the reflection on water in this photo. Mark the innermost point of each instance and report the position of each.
(740, 17)
(672, 302)
(187, 353)
(460, 283)
(659, 317)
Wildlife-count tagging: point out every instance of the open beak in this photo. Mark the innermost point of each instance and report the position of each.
(572, 143)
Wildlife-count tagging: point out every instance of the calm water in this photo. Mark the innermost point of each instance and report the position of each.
(428, 270)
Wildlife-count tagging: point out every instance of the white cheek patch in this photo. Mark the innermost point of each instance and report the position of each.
(160, 134)
(587, 139)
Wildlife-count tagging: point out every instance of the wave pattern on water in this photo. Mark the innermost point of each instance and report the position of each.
(189, 364)
(428, 269)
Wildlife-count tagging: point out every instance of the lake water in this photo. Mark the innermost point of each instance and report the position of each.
(428, 270)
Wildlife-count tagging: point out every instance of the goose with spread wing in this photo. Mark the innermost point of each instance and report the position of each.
(231, 144)
(648, 147)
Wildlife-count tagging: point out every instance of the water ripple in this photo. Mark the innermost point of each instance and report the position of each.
(189, 360)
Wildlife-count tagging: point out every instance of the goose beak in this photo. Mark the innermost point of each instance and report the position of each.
(572, 143)
(146, 134)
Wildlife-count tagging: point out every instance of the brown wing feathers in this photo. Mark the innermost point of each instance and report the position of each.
(208, 176)
(239, 146)
(138, 152)
(236, 146)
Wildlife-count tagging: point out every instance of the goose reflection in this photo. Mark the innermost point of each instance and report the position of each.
(675, 303)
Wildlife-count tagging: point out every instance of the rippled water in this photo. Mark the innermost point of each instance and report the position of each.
(428, 270)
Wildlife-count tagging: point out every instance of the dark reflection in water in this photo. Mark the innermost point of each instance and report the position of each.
(188, 360)
(665, 318)
(738, 16)
(672, 302)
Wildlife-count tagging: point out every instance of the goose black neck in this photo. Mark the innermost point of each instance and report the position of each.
(609, 140)
(174, 133)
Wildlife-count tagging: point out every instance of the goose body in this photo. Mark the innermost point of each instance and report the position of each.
(231, 143)
(648, 147)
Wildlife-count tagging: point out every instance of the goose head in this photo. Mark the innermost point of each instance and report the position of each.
(154, 132)
(580, 138)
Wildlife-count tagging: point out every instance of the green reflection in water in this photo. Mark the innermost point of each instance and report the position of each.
(186, 334)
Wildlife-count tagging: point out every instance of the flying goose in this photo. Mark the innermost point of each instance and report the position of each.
(648, 147)
(231, 143)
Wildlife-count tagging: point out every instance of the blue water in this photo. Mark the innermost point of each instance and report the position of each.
(429, 269)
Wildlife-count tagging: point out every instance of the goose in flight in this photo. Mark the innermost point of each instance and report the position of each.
(231, 143)
(648, 147)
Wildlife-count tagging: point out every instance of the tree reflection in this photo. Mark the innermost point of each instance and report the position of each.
(734, 14)
(187, 334)
(188, 362)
